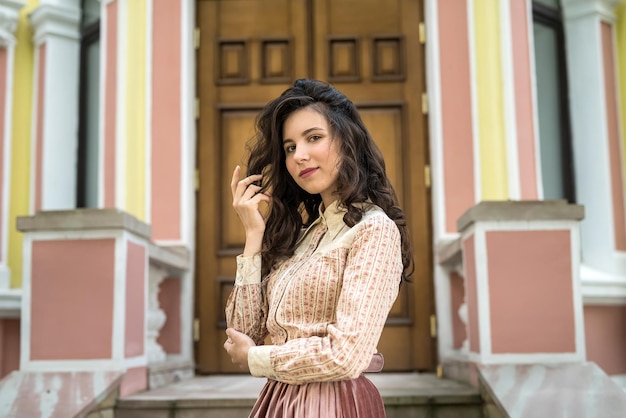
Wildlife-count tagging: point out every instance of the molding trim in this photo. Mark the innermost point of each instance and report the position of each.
(578, 9)
(10, 303)
(9, 15)
(601, 288)
(81, 220)
(61, 21)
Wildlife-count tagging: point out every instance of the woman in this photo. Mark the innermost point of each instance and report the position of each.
(321, 271)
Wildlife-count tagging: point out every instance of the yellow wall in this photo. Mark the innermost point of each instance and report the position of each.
(136, 109)
(491, 131)
(620, 58)
(21, 139)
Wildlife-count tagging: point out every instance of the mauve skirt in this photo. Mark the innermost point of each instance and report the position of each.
(357, 398)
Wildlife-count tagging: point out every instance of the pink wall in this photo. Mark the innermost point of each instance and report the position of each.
(605, 334)
(135, 380)
(9, 346)
(471, 293)
(41, 73)
(166, 121)
(135, 300)
(615, 154)
(169, 301)
(72, 299)
(457, 297)
(526, 270)
(523, 99)
(456, 105)
(110, 105)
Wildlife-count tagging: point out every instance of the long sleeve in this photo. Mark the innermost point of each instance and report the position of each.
(371, 278)
(246, 309)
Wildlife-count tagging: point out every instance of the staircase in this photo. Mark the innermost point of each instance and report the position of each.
(406, 395)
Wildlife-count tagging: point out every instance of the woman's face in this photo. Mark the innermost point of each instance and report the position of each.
(311, 154)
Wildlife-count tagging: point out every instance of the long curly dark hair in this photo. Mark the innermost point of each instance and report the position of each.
(362, 174)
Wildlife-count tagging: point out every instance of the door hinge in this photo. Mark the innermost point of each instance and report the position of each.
(424, 103)
(196, 108)
(196, 38)
(422, 33)
(439, 371)
(433, 326)
(427, 179)
(196, 329)
(196, 185)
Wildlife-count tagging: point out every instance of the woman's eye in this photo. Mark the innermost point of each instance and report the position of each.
(290, 148)
(314, 138)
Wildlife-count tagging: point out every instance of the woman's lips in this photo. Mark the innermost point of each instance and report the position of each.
(307, 172)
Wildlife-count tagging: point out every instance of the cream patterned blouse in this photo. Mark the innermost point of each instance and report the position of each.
(325, 307)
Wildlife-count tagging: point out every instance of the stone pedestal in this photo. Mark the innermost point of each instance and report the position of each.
(522, 294)
(85, 293)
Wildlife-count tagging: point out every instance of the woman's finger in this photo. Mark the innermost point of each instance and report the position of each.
(235, 180)
(251, 190)
(243, 185)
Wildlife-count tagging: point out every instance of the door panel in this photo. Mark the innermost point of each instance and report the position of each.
(252, 50)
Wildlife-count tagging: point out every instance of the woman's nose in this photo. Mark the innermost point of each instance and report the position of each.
(301, 153)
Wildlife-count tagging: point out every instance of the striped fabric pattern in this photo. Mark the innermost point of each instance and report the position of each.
(325, 307)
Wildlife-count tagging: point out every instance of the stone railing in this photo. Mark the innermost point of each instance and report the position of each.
(168, 276)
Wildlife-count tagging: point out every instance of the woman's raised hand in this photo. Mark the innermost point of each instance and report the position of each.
(246, 200)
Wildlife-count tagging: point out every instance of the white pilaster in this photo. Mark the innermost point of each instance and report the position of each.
(508, 93)
(56, 24)
(590, 141)
(9, 14)
(188, 165)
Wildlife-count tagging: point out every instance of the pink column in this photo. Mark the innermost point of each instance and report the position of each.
(84, 302)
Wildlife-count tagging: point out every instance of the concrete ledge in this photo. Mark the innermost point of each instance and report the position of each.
(524, 210)
(83, 220)
(572, 390)
(449, 252)
(50, 394)
(10, 303)
(229, 391)
(175, 260)
(169, 372)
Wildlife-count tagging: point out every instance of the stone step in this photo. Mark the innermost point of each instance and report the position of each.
(406, 395)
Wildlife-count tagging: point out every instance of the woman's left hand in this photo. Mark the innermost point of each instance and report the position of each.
(237, 346)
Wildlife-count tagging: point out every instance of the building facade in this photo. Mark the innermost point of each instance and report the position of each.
(121, 121)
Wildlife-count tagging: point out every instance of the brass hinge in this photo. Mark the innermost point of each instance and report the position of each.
(422, 33)
(196, 108)
(424, 103)
(196, 38)
(433, 326)
(439, 371)
(427, 179)
(196, 329)
(196, 185)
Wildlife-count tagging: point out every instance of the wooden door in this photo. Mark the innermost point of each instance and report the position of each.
(252, 50)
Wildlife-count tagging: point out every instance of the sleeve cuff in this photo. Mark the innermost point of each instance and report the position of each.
(248, 270)
(260, 362)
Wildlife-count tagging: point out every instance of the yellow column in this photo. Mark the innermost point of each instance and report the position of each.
(489, 93)
(21, 139)
(620, 58)
(136, 109)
